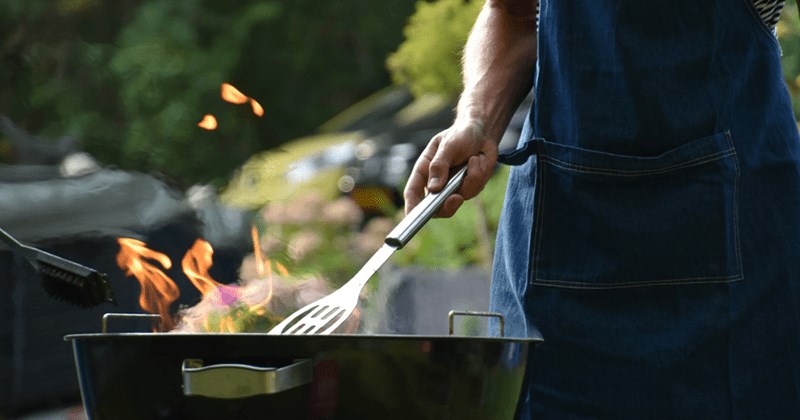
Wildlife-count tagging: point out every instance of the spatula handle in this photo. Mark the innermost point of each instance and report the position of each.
(424, 211)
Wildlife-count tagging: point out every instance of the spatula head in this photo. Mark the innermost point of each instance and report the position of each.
(320, 317)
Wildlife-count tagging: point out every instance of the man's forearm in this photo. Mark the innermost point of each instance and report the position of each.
(498, 64)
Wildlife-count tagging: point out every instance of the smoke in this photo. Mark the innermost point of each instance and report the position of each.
(250, 306)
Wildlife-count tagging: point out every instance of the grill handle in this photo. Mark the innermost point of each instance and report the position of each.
(108, 316)
(452, 314)
(231, 381)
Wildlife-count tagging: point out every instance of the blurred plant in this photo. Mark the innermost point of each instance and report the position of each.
(312, 236)
(429, 60)
(788, 29)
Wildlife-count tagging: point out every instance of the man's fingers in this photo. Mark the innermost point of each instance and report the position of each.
(415, 186)
(479, 169)
(439, 173)
(477, 174)
(447, 150)
(441, 162)
(451, 204)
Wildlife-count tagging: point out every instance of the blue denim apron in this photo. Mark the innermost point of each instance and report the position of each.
(651, 230)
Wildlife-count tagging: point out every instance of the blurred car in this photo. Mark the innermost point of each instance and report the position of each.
(375, 180)
(313, 163)
(383, 161)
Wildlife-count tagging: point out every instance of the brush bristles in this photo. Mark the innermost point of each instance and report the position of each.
(85, 290)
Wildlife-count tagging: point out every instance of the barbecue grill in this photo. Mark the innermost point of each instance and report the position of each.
(339, 376)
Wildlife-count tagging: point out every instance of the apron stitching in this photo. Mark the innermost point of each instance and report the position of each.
(737, 244)
(541, 187)
(539, 208)
(679, 279)
(665, 282)
(621, 172)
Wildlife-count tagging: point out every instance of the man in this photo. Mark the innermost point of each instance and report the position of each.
(651, 230)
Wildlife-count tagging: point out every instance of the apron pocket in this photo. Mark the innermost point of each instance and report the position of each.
(612, 221)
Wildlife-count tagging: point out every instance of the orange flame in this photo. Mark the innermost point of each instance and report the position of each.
(224, 308)
(257, 254)
(257, 109)
(195, 264)
(232, 95)
(158, 290)
(263, 266)
(209, 122)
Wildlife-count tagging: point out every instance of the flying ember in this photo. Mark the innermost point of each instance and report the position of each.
(257, 109)
(232, 95)
(209, 122)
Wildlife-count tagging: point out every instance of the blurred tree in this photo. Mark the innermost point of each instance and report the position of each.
(429, 60)
(170, 60)
(131, 78)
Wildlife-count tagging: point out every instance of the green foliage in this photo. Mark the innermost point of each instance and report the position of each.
(789, 36)
(132, 79)
(429, 60)
(171, 78)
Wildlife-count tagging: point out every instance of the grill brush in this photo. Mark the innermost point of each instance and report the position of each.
(64, 279)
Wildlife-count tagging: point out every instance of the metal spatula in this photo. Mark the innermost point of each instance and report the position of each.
(326, 314)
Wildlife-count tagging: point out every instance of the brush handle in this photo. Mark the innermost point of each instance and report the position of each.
(62, 278)
(10, 240)
(28, 252)
(36, 256)
(424, 211)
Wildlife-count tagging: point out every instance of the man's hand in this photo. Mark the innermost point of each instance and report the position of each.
(499, 58)
(462, 142)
